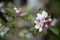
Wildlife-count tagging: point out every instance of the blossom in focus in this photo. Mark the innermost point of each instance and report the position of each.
(41, 21)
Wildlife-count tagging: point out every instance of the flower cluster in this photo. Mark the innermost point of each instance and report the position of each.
(18, 11)
(41, 21)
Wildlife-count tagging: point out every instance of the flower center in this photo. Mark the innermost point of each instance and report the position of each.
(38, 20)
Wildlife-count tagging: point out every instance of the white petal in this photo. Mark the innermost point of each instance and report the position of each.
(40, 29)
(37, 26)
(38, 15)
(44, 13)
(15, 8)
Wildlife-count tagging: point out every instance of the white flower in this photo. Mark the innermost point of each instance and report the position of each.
(40, 19)
(43, 15)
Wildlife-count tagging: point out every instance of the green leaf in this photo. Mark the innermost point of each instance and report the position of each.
(30, 17)
(9, 10)
(1, 38)
(40, 10)
(11, 20)
(54, 30)
(35, 31)
(13, 31)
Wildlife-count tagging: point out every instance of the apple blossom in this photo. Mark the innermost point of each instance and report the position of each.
(19, 11)
(41, 21)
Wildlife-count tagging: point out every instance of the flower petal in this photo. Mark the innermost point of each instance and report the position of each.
(17, 12)
(36, 22)
(46, 25)
(15, 8)
(38, 15)
(37, 26)
(44, 14)
(40, 29)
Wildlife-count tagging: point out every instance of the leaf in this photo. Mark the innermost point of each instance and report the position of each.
(9, 10)
(30, 17)
(13, 31)
(40, 10)
(11, 20)
(35, 31)
(54, 30)
(1, 38)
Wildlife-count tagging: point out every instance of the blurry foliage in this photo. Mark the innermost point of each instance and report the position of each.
(6, 0)
(54, 7)
(53, 36)
(1, 38)
(55, 30)
(12, 31)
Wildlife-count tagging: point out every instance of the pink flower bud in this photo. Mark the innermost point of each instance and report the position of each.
(49, 20)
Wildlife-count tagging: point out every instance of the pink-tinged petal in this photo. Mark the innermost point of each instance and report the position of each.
(36, 22)
(46, 25)
(44, 20)
(37, 26)
(40, 29)
(17, 12)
